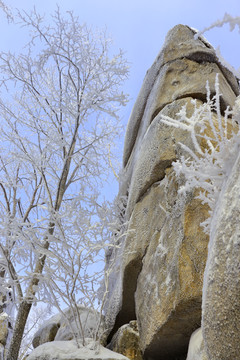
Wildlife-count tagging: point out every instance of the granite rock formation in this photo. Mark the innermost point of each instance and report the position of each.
(59, 338)
(5, 319)
(159, 270)
(3, 328)
(63, 326)
(126, 341)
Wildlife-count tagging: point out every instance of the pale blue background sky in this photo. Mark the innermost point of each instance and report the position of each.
(139, 27)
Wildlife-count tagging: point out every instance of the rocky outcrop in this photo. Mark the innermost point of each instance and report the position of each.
(3, 328)
(4, 322)
(160, 275)
(126, 341)
(4, 332)
(65, 326)
(6, 305)
(61, 337)
(179, 44)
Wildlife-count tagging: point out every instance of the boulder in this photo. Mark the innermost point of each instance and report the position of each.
(46, 333)
(169, 286)
(159, 148)
(68, 350)
(3, 328)
(65, 326)
(126, 341)
(163, 258)
(182, 78)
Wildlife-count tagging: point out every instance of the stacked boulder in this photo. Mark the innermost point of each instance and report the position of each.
(160, 264)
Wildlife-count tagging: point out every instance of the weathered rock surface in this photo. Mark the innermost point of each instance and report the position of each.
(168, 294)
(126, 341)
(179, 46)
(68, 350)
(196, 349)
(164, 253)
(3, 328)
(176, 80)
(221, 295)
(159, 148)
(46, 333)
(61, 327)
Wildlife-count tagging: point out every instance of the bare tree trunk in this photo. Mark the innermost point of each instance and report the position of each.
(21, 320)
(24, 310)
(2, 274)
(26, 304)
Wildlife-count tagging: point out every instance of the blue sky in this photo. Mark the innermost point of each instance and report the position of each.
(139, 28)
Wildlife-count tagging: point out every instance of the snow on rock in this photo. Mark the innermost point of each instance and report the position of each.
(62, 327)
(196, 347)
(68, 350)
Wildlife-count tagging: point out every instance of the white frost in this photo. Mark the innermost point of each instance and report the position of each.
(207, 168)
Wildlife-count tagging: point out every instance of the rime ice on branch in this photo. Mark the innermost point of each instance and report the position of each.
(59, 108)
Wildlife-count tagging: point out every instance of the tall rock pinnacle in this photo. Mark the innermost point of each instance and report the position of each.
(159, 271)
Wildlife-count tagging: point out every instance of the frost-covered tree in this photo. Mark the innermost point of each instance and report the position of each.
(234, 23)
(6, 10)
(59, 103)
(216, 144)
(208, 167)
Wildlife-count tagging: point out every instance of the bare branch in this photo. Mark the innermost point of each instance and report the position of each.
(58, 106)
